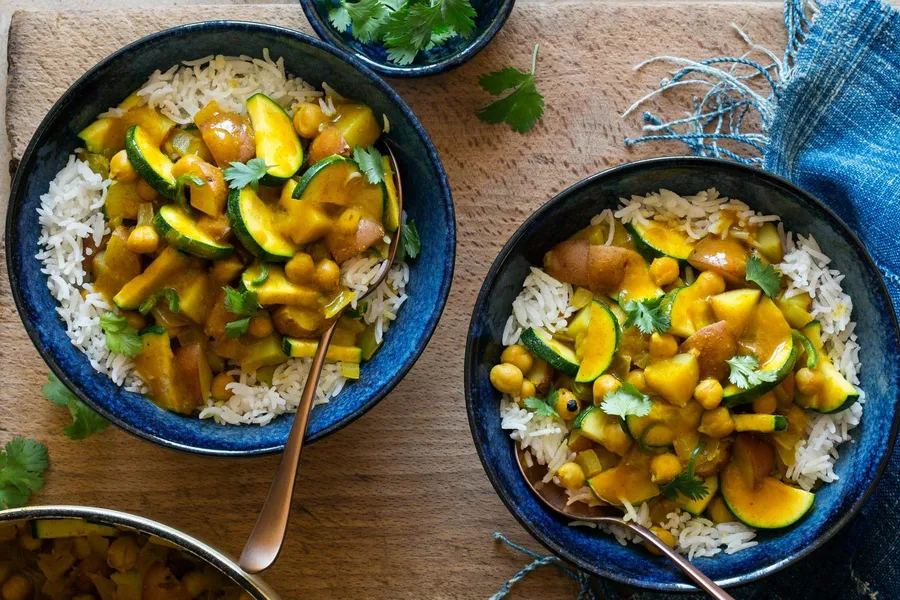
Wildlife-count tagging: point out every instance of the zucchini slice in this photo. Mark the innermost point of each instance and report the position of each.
(253, 222)
(103, 136)
(696, 507)
(149, 161)
(770, 504)
(391, 200)
(759, 422)
(656, 241)
(805, 349)
(596, 347)
(624, 483)
(276, 140)
(590, 422)
(329, 181)
(557, 354)
(276, 289)
(836, 394)
(49, 529)
(179, 228)
(295, 348)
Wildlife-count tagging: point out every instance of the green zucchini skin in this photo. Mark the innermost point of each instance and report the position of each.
(242, 230)
(276, 140)
(546, 351)
(151, 164)
(314, 170)
(166, 223)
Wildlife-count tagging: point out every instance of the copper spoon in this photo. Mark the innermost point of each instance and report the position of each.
(268, 534)
(554, 497)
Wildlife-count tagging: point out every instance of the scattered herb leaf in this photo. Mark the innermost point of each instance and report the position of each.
(263, 275)
(22, 466)
(153, 330)
(370, 163)
(237, 328)
(85, 421)
(358, 312)
(168, 293)
(767, 278)
(181, 184)
(689, 486)
(241, 303)
(648, 315)
(121, 338)
(745, 373)
(626, 400)
(240, 175)
(410, 244)
(366, 17)
(540, 407)
(522, 107)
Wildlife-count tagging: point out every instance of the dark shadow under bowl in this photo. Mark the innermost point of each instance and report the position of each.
(861, 462)
(427, 201)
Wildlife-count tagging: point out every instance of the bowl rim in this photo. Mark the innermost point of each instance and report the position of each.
(15, 208)
(250, 583)
(325, 31)
(490, 468)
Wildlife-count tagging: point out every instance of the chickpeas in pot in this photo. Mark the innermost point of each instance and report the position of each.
(567, 404)
(309, 120)
(519, 356)
(664, 468)
(123, 553)
(507, 378)
(571, 475)
(717, 423)
(604, 385)
(663, 345)
(18, 587)
(121, 169)
(664, 271)
(218, 388)
(300, 269)
(709, 393)
(327, 276)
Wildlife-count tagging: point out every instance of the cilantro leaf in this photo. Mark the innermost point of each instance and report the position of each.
(626, 400)
(459, 16)
(522, 107)
(370, 163)
(408, 31)
(121, 338)
(340, 18)
(237, 328)
(410, 244)
(767, 278)
(648, 315)
(685, 483)
(358, 312)
(745, 374)
(22, 466)
(240, 175)
(241, 303)
(366, 17)
(84, 420)
(168, 293)
(540, 407)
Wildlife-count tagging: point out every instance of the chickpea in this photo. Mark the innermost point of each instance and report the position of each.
(716, 423)
(123, 553)
(663, 345)
(308, 119)
(663, 271)
(519, 356)
(146, 191)
(567, 404)
(571, 475)
(218, 389)
(663, 534)
(664, 468)
(143, 240)
(636, 378)
(718, 511)
(6, 569)
(327, 276)
(195, 583)
(507, 378)
(708, 393)
(528, 390)
(121, 169)
(300, 269)
(604, 385)
(765, 404)
(713, 283)
(808, 382)
(260, 325)
(18, 587)
(27, 542)
(81, 547)
(330, 141)
(7, 533)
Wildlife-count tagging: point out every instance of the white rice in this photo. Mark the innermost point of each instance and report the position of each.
(543, 303)
(71, 212)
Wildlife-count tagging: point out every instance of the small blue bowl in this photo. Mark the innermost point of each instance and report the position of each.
(491, 15)
(861, 462)
(427, 201)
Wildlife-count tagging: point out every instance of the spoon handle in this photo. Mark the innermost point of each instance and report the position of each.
(703, 582)
(267, 537)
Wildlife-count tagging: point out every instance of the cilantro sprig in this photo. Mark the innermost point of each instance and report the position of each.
(767, 278)
(121, 338)
(745, 372)
(647, 315)
(543, 408)
(410, 244)
(686, 483)
(405, 26)
(522, 107)
(626, 400)
(243, 303)
(169, 294)
(22, 466)
(85, 422)
(240, 175)
(370, 163)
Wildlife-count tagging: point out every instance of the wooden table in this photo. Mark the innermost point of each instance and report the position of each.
(397, 505)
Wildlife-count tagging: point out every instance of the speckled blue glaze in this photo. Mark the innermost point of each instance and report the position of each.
(426, 199)
(491, 15)
(861, 463)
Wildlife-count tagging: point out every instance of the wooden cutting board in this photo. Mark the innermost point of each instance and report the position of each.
(397, 505)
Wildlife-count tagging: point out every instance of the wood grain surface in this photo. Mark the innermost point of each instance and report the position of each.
(396, 505)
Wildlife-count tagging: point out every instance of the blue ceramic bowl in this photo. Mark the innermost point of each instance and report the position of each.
(428, 202)
(491, 15)
(861, 462)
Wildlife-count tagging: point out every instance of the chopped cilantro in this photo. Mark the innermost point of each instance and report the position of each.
(168, 293)
(647, 315)
(685, 483)
(410, 244)
(85, 421)
(745, 373)
(370, 163)
(767, 278)
(626, 400)
(241, 303)
(22, 466)
(121, 338)
(240, 175)
(237, 328)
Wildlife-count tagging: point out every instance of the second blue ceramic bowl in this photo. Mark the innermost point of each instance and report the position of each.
(491, 15)
(861, 462)
(427, 201)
